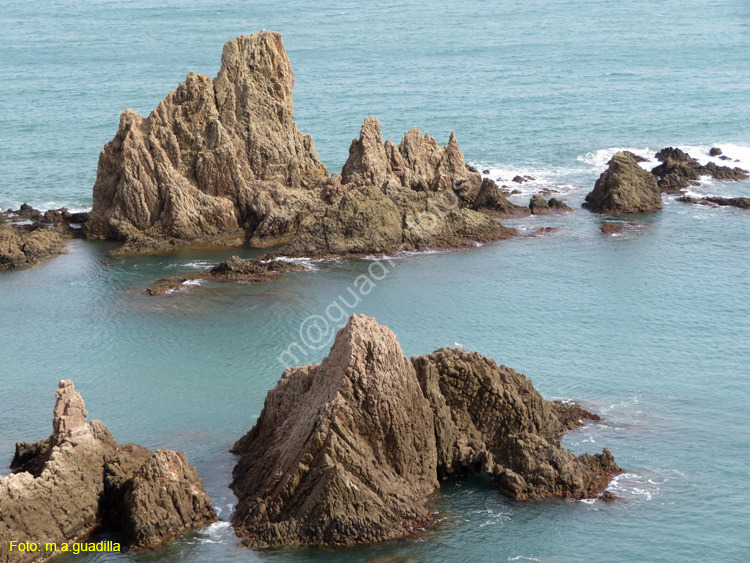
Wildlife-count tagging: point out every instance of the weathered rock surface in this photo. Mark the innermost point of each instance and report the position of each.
(678, 171)
(539, 206)
(222, 161)
(740, 202)
(624, 187)
(24, 246)
(349, 451)
(59, 490)
(490, 418)
(491, 198)
(249, 270)
(343, 452)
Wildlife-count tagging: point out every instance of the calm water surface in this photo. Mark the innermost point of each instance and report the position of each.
(651, 329)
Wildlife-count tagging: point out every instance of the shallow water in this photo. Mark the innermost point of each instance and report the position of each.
(650, 328)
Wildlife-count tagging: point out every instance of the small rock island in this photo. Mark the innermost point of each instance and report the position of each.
(67, 486)
(350, 450)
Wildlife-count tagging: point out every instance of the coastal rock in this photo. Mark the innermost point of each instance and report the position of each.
(678, 171)
(491, 198)
(539, 206)
(161, 499)
(222, 161)
(60, 497)
(343, 452)
(24, 246)
(624, 187)
(349, 451)
(558, 205)
(612, 229)
(490, 418)
(740, 202)
(197, 166)
(715, 151)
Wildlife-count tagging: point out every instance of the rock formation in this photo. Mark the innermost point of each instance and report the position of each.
(678, 171)
(222, 161)
(539, 206)
(612, 229)
(343, 452)
(624, 187)
(740, 202)
(234, 269)
(63, 487)
(491, 198)
(349, 451)
(29, 237)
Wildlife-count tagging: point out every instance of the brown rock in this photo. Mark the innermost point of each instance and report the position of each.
(23, 246)
(197, 167)
(349, 451)
(343, 452)
(679, 170)
(611, 229)
(571, 415)
(715, 151)
(740, 202)
(491, 198)
(624, 187)
(222, 161)
(539, 206)
(63, 498)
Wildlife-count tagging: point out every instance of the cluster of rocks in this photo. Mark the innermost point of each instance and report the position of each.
(29, 236)
(715, 201)
(351, 450)
(234, 269)
(223, 161)
(625, 187)
(67, 486)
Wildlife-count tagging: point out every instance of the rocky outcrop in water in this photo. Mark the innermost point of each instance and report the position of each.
(222, 161)
(624, 187)
(539, 206)
(343, 452)
(349, 451)
(678, 171)
(29, 237)
(63, 488)
(714, 201)
(491, 198)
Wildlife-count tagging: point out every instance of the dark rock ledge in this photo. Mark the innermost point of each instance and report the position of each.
(350, 450)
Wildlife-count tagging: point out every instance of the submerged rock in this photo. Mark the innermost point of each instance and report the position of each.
(612, 229)
(61, 486)
(222, 161)
(350, 450)
(624, 187)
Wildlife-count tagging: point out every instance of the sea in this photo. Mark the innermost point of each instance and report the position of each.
(649, 328)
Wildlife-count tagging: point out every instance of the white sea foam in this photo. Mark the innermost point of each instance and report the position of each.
(192, 282)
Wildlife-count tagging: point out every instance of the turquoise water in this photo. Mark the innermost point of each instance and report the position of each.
(651, 328)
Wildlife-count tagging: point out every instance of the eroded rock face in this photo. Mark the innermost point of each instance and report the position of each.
(490, 418)
(350, 450)
(63, 497)
(343, 452)
(624, 187)
(222, 161)
(197, 167)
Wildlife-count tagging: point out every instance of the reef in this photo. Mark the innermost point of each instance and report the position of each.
(67, 486)
(350, 450)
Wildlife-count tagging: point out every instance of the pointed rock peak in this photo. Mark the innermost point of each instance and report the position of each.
(371, 130)
(260, 54)
(363, 345)
(452, 141)
(69, 414)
